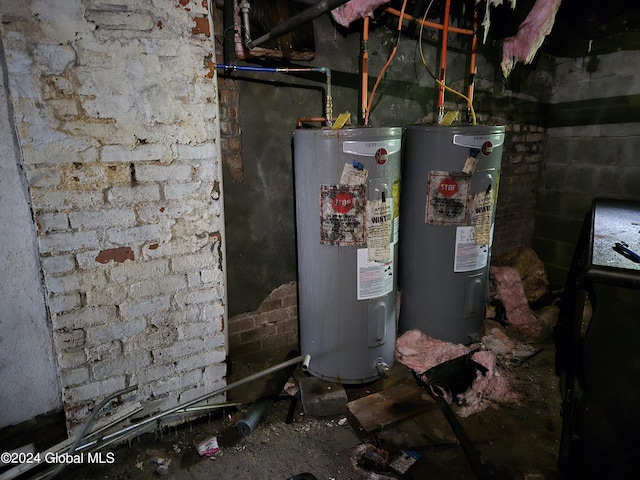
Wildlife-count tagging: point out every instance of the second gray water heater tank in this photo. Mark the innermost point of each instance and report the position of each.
(447, 213)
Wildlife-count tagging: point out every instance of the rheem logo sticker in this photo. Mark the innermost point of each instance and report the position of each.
(381, 156)
(487, 148)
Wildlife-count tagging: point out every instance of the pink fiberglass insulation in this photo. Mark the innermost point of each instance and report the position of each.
(354, 10)
(498, 342)
(522, 47)
(488, 389)
(420, 353)
(510, 291)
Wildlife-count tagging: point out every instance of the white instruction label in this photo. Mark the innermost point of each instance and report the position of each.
(379, 230)
(353, 176)
(468, 255)
(374, 279)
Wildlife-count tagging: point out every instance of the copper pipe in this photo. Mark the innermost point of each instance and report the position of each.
(473, 68)
(365, 68)
(301, 120)
(427, 23)
(443, 58)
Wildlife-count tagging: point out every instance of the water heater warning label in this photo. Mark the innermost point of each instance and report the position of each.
(447, 198)
(375, 279)
(342, 214)
(469, 256)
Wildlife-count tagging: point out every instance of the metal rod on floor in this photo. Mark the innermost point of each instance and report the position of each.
(304, 359)
(106, 439)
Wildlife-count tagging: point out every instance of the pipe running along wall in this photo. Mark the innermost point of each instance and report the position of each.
(323, 70)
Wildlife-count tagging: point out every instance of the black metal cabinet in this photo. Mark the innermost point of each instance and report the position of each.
(598, 348)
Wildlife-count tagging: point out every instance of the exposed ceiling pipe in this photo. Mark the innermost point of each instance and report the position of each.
(303, 17)
(473, 69)
(324, 70)
(245, 8)
(365, 68)
(443, 59)
(445, 27)
(228, 49)
(427, 23)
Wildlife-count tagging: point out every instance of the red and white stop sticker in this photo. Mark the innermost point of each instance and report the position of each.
(448, 187)
(381, 156)
(342, 202)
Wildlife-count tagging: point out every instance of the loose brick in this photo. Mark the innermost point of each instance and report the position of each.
(115, 331)
(75, 376)
(51, 222)
(69, 340)
(58, 264)
(117, 366)
(159, 286)
(163, 173)
(94, 390)
(133, 195)
(92, 219)
(68, 242)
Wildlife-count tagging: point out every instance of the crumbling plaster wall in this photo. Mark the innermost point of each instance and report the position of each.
(116, 112)
(24, 328)
(591, 149)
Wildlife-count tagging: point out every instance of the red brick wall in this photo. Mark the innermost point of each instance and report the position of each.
(519, 182)
(272, 326)
(231, 143)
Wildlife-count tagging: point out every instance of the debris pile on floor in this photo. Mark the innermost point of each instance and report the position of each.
(421, 353)
(518, 281)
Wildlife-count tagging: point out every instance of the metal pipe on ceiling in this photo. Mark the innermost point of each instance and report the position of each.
(303, 17)
(228, 46)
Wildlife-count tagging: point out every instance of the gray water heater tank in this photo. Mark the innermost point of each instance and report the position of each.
(347, 184)
(447, 215)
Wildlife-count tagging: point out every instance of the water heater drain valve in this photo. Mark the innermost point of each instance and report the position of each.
(381, 367)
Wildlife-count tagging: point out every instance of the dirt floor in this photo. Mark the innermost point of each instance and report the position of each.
(514, 441)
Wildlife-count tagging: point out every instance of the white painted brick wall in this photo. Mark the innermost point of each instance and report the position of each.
(116, 118)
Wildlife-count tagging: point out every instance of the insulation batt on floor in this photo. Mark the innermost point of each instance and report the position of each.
(420, 353)
(510, 291)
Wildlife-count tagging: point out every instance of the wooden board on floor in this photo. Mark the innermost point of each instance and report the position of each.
(390, 406)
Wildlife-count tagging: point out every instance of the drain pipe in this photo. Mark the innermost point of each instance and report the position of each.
(297, 20)
(268, 396)
(324, 70)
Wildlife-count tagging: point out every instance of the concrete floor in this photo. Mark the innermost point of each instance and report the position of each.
(515, 441)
